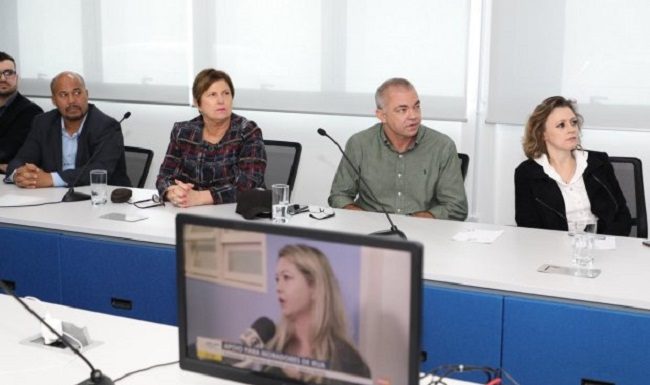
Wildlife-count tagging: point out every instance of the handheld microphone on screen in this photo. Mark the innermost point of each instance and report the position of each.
(256, 336)
(96, 375)
(393, 231)
(74, 196)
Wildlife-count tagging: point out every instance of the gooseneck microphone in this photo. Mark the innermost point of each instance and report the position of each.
(74, 196)
(393, 231)
(96, 375)
(126, 116)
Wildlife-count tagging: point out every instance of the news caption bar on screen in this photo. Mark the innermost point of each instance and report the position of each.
(215, 349)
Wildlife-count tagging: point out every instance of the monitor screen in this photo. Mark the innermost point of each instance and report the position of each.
(262, 303)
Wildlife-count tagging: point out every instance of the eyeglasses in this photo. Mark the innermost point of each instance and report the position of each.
(8, 74)
(318, 212)
(154, 201)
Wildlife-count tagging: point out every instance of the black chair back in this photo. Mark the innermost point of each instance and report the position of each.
(138, 162)
(629, 174)
(464, 163)
(282, 159)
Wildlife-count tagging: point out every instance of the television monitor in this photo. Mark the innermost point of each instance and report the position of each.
(262, 303)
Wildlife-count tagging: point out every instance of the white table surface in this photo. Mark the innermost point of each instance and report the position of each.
(509, 264)
(82, 217)
(126, 345)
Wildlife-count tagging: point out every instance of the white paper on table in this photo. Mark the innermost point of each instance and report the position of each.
(605, 243)
(123, 217)
(478, 236)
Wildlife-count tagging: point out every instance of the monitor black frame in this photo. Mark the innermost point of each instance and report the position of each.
(246, 376)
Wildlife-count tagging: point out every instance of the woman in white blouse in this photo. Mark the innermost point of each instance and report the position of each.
(560, 183)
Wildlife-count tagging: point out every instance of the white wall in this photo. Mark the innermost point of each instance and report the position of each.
(489, 184)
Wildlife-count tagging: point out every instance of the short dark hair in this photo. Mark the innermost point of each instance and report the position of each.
(533, 142)
(5, 56)
(206, 78)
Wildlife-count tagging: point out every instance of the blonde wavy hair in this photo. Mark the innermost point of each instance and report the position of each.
(328, 317)
(533, 142)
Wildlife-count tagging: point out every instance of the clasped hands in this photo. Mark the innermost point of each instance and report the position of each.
(182, 194)
(31, 176)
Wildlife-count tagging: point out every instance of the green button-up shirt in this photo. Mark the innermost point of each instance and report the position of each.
(426, 177)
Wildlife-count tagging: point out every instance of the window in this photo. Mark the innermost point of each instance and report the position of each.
(230, 258)
(330, 56)
(41, 54)
(126, 50)
(597, 52)
(283, 55)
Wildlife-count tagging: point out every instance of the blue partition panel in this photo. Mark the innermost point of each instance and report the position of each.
(561, 343)
(123, 278)
(461, 327)
(30, 260)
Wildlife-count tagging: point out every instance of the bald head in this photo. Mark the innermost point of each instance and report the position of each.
(68, 74)
(70, 96)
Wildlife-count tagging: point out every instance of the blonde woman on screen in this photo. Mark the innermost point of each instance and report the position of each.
(313, 323)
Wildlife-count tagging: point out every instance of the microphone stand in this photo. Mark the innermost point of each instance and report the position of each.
(393, 231)
(75, 196)
(96, 375)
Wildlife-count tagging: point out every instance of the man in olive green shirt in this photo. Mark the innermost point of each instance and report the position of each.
(411, 169)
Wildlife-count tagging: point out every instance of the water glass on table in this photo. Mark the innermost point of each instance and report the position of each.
(584, 236)
(98, 187)
(280, 203)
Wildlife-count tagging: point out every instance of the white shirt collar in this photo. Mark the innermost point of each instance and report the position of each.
(78, 132)
(576, 201)
(581, 165)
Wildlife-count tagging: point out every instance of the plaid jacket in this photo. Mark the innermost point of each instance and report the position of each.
(236, 163)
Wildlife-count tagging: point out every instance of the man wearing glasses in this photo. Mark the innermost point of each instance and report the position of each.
(66, 143)
(16, 112)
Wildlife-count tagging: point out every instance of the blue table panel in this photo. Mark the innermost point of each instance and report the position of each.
(120, 277)
(30, 260)
(562, 343)
(461, 327)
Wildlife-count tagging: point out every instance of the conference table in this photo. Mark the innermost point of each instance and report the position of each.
(119, 345)
(483, 303)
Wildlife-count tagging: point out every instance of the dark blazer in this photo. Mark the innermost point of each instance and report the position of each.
(101, 134)
(539, 202)
(15, 124)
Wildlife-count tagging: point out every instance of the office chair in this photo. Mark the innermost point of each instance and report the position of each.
(630, 177)
(464, 163)
(138, 161)
(282, 159)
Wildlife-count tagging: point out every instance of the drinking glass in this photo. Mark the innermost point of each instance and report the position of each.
(98, 187)
(280, 203)
(584, 236)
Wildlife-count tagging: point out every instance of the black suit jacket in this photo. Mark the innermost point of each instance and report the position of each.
(101, 137)
(14, 126)
(539, 202)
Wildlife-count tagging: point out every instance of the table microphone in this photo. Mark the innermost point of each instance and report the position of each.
(96, 375)
(393, 231)
(74, 196)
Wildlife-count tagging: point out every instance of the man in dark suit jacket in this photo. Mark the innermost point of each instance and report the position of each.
(16, 112)
(63, 141)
